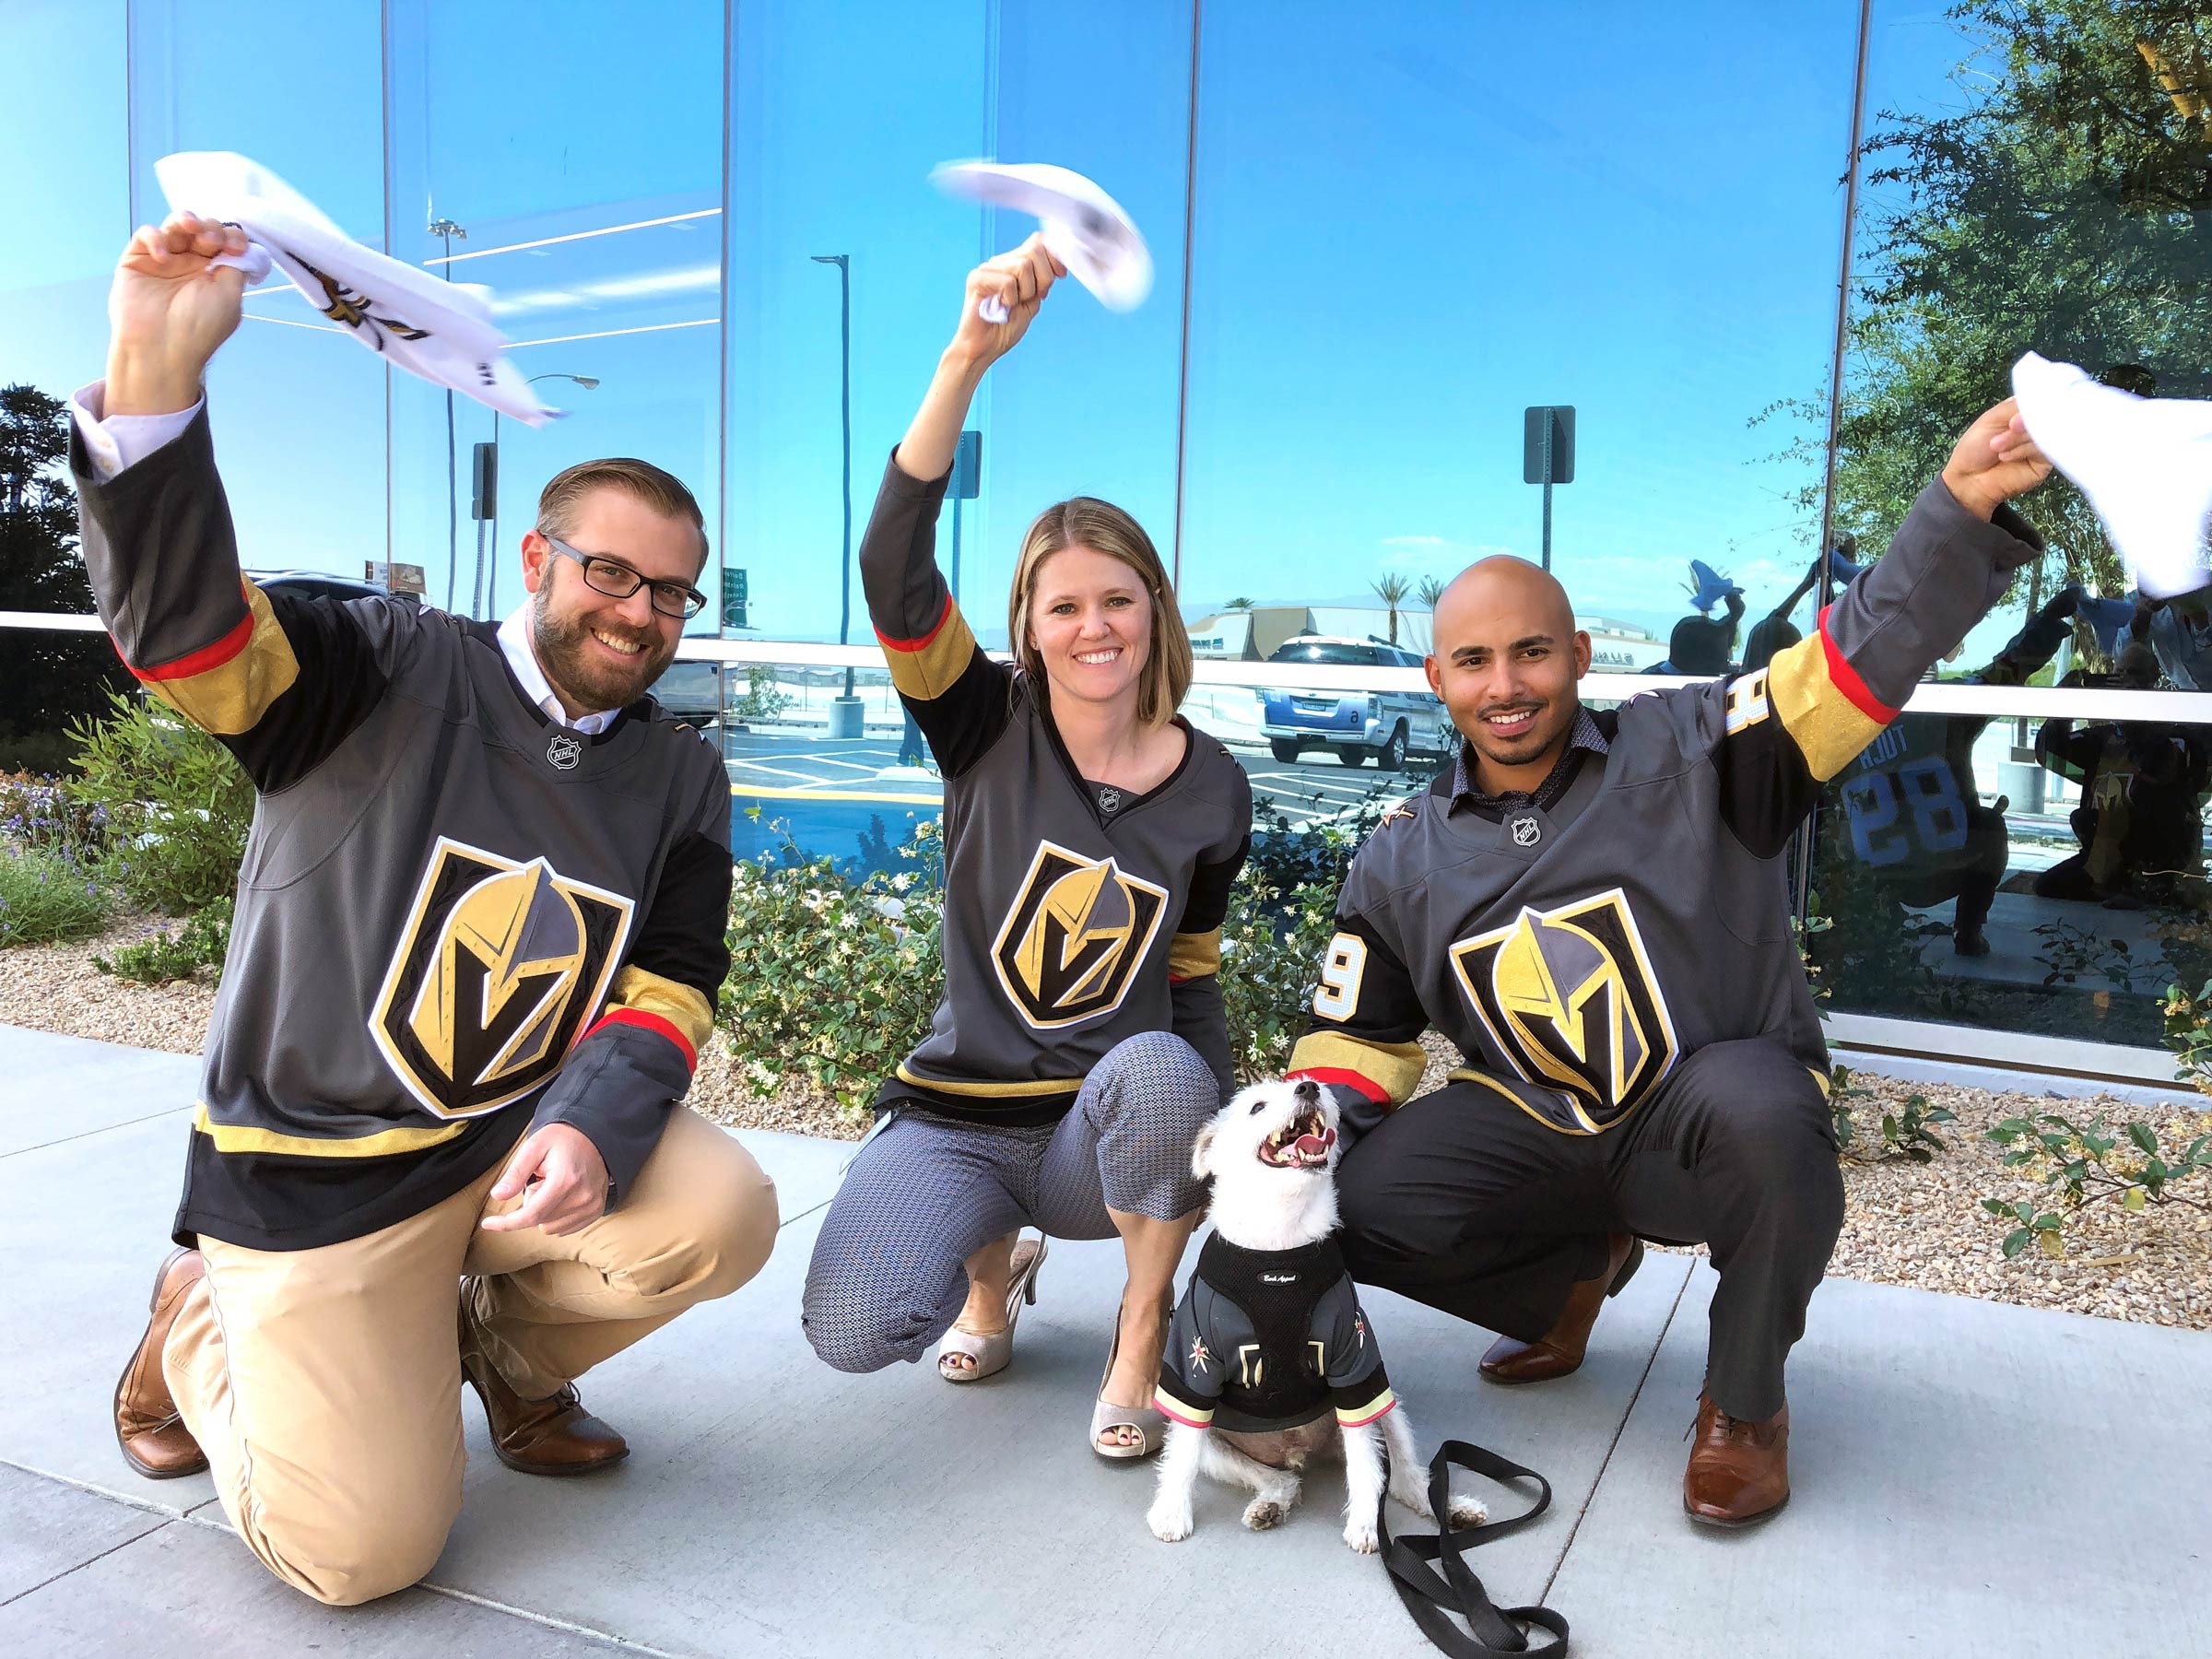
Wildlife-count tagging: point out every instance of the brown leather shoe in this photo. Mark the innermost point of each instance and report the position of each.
(1560, 1350)
(1739, 1471)
(153, 1437)
(553, 1436)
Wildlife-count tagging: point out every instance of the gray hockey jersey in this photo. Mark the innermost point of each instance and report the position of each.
(1068, 927)
(455, 920)
(1266, 1339)
(1585, 946)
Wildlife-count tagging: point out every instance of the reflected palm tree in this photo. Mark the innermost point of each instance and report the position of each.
(1391, 590)
(1429, 591)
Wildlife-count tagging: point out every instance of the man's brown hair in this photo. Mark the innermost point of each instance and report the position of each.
(641, 481)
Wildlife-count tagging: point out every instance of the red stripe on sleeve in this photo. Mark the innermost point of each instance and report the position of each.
(651, 1022)
(943, 617)
(1350, 1080)
(1846, 679)
(202, 660)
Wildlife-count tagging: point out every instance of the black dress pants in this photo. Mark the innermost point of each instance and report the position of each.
(1467, 1201)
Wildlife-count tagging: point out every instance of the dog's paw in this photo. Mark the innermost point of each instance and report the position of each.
(1360, 1536)
(1170, 1523)
(1468, 1511)
(1261, 1513)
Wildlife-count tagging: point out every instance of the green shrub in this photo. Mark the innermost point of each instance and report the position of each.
(2081, 1164)
(177, 805)
(202, 942)
(49, 897)
(832, 981)
(1271, 951)
(764, 698)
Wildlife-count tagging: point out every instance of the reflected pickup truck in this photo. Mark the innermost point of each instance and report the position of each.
(1352, 725)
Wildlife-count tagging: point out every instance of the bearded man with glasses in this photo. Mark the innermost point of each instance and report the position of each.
(478, 937)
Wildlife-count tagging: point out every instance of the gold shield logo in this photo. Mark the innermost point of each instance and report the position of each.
(499, 966)
(1071, 945)
(1568, 999)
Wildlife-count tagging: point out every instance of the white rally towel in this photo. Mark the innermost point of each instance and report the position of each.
(1084, 227)
(2145, 463)
(442, 331)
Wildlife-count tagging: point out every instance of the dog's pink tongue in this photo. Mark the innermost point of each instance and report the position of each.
(1316, 1146)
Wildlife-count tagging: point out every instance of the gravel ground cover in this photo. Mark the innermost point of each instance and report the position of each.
(1905, 1224)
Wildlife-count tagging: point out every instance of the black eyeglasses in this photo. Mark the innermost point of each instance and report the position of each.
(618, 580)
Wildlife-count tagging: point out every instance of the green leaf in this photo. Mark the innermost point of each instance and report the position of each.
(2016, 1241)
(1996, 1207)
(2140, 1134)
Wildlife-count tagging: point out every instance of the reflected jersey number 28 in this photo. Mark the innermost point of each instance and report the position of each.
(1911, 809)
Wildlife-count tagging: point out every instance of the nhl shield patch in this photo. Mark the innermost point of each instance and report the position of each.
(1071, 944)
(496, 969)
(563, 750)
(1568, 997)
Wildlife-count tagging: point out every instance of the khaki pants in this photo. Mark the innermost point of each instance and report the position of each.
(324, 1385)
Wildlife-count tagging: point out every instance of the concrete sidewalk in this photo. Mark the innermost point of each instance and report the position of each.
(1971, 1480)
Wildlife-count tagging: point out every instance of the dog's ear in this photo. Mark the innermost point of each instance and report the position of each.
(1202, 1153)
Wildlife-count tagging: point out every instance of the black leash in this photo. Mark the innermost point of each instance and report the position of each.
(1433, 1597)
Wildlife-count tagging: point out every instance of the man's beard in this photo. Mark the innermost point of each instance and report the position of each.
(573, 663)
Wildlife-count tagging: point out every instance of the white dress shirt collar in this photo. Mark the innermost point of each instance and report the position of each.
(514, 640)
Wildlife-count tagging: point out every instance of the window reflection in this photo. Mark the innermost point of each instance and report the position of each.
(2034, 178)
(298, 411)
(591, 204)
(1408, 232)
(53, 283)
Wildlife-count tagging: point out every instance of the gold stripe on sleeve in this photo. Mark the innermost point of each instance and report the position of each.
(1193, 956)
(231, 697)
(925, 669)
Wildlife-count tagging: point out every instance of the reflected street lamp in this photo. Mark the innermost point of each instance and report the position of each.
(489, 579)
(844, 712)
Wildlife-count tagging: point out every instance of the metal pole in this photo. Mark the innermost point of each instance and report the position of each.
(1548, 418)
(445, 231)
(844, 340)
(491, 580)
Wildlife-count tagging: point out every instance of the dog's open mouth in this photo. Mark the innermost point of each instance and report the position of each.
(1302, 1144)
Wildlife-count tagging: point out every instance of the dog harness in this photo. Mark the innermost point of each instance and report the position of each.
(1266, 1339)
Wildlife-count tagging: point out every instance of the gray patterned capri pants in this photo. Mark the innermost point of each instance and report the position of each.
(927, 1192)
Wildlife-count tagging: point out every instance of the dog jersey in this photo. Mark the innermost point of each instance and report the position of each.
(1585, 943)
(1076, 915)
(456, 919)
(1269, 1340)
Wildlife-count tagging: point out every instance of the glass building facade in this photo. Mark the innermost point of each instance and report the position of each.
(1773, 259)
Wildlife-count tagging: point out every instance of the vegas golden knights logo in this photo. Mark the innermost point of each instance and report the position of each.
(1568, 997)
(499, 967)
(1070, 946)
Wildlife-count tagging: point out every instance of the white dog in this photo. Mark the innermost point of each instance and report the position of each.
(1269, 1335)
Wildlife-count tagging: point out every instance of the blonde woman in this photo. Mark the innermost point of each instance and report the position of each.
(1090, 840)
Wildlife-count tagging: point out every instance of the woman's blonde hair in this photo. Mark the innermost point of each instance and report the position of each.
(1085, 521)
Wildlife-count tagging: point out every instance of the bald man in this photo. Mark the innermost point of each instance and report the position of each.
(1593, 908)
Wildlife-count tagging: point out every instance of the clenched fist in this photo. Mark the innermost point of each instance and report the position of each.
(168, 311)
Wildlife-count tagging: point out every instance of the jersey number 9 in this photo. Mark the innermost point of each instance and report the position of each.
(1337, 995)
